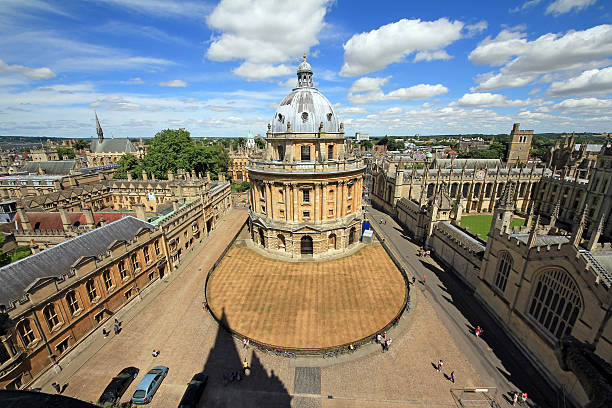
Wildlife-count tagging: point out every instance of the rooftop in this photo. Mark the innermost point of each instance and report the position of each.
(18, 277)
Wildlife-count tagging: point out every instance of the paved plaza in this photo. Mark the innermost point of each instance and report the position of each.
(307, 304)
(190, 341)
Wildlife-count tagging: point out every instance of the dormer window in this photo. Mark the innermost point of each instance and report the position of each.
(304, 116)
(281, 118)
(329, 117)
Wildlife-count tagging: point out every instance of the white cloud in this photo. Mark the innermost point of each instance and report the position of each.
(257, 71)
(289, 83)
(374, 50)
(32, 73)
(353, 110)
(589, 82)
(264, 34)
(136, 80)
(525, 6)
(486, 99)
(559, 7)
(392, 111)
(368, 84)
(421, 91)
(431, 55)
(525, 61)
(162, 8)
(473, 29)
(591, 108)
(368, 89)
(191, 100)
(175, 83)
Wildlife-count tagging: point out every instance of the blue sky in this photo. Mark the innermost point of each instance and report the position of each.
(220, 68)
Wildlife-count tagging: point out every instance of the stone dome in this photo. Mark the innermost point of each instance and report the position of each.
(305, 108)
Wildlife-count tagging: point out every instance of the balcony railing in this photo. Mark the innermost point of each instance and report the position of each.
(306, 166)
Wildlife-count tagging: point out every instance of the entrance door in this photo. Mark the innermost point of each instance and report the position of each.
(306, 245)
(161, 272)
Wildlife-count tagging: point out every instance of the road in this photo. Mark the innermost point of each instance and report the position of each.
(494, 356)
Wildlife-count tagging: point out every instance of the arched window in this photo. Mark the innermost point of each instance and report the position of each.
(430, 189)
(555, 303)
(73, 303)
(25, 332)
(108, 279)
(281, 242)
(51, 316)
(352, 234)
(91, 290)
(503, 270)
(306, 245)
(331, 242)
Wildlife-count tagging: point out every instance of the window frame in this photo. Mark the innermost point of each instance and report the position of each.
(107, 278)
(25, 334)
(91, 289)
(73, 302)
(49, 318)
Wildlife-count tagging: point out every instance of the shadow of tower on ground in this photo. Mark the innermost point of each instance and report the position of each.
(259, 389)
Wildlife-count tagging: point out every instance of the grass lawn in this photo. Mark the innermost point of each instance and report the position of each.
(480, 224)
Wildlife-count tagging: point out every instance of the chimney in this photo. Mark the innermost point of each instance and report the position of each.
(89, 217)
(193, 174)
(208, 176)
(170, 175)
(140, 212)
(145, 176)
(65, 217)
(25, 222)
(129, 176)
(175, 205)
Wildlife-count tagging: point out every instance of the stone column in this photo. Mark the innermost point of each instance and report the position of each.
(296, 207)
(269, 200)
(287, 201)
(324, 204)
(316, 201)
(340, 199)
(344, 197)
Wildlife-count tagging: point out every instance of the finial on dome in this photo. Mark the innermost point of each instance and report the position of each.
(304, 57)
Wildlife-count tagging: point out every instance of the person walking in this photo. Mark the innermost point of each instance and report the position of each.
(57, 387)
(515, 399)
(424, 280)
(452, 377)
(524, 398)
(478, 331)
(440, 364)
(116, 328)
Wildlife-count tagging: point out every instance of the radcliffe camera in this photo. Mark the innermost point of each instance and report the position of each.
(305, 204)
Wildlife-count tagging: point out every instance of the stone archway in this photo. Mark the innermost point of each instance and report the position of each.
(262, 238)
(331, 241)
(351, 238)
(306, 247)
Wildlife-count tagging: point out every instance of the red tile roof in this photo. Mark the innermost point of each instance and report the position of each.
(53, 220)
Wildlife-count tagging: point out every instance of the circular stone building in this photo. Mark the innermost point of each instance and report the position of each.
(306, 190)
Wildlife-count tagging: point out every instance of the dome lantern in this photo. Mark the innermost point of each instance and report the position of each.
(304, 74)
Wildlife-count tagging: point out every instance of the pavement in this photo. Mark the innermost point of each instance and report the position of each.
(494, 356)
(190, 341)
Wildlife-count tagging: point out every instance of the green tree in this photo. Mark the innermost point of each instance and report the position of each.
(367, 144)
(65, 153)
(80, 144)
(171, 149)
(240, 187)
(127, 162)
(241, 141)
(260, 142)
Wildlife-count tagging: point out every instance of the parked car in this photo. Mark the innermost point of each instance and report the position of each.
(115, 389)
(149, 385)
(194, 390)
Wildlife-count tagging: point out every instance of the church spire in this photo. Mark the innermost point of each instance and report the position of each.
(99, 129)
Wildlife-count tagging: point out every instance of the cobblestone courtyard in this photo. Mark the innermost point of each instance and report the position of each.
(307, 304)
(190, 342)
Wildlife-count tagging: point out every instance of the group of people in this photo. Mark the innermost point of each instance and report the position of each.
(237, 376)
(523, 398)
(439, 366)
(423, 253)
(116, 328)
(384, 341)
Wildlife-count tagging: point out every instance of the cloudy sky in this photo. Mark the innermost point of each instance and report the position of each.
(220, 68)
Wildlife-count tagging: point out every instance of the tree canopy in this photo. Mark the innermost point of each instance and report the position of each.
(65, 153)
(80, 144)
(173, 149)
(260, 142)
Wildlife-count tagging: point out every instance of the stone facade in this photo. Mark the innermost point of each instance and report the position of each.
(520, 144)
(44, 155)
(566, 197)
(477, 183)
(238, 162)
(61, 309)
(306, 190)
